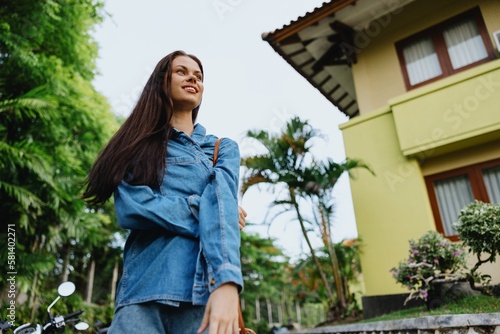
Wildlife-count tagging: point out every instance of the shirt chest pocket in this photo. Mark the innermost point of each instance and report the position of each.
(185, 176)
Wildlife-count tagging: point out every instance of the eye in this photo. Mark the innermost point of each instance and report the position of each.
(180, 71)
(199, 77)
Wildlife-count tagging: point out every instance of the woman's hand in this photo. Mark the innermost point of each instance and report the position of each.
(243, 214)
(221, 313)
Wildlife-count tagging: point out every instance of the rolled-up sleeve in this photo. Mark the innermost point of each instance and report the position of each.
(218, 219)
(138, 207)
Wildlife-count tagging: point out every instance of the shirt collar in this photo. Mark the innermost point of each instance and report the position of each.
(199, 132)
(198, 135)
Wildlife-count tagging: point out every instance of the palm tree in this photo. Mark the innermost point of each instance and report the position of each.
(322, 177)
(288, 163)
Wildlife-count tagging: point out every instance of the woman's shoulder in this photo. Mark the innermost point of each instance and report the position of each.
(227, 147)
(209, 139)
(225, 142)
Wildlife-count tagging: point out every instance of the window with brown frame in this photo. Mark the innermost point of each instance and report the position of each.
(449, 192)
(452, 46)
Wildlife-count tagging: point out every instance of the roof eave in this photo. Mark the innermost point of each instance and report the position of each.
(308, 19)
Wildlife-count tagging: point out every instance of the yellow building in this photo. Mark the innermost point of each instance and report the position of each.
(420, 83)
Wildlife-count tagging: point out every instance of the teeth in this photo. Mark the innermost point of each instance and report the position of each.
(190, 89)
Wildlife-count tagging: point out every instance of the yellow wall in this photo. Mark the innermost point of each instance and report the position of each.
(390, 207)
(377, 74)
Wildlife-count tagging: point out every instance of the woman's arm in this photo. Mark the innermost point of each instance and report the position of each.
(138, 207)
(219, 216)
(221, 312)
(220, 241)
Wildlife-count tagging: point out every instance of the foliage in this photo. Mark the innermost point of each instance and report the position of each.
(306, 283)
(429, 258)
(264, 268)
(348, 252)
(479, 228)
(268, 282)
(261, 327)
(52, 125)
(288, 164)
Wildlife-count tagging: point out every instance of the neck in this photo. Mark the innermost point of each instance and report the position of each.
(183, 121)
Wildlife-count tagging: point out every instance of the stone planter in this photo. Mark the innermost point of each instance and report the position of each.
(445, 292)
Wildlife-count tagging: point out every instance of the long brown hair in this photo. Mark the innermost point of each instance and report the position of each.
(137, 150)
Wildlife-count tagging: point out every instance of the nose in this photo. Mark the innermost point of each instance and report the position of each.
(192, 78)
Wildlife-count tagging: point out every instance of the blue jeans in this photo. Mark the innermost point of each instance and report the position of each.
(157, 318)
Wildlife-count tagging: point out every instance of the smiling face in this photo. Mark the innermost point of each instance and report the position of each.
(186, 84)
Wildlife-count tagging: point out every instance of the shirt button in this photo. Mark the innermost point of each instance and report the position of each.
(212, 281)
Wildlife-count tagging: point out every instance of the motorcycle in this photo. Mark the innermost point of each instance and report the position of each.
(4, 326)
(100, 328)
(55, 324)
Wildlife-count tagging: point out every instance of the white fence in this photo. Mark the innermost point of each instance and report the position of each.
(283, 313)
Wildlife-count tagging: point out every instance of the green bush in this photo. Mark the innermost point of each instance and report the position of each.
(479, 228)
(430, 257)
(478, 225)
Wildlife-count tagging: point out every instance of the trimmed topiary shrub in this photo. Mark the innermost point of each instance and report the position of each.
(478, 226)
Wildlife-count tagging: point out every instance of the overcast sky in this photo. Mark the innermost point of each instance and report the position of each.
(247, 84)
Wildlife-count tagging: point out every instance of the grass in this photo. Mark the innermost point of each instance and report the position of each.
(465, 305)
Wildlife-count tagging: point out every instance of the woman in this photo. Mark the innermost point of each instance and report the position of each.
(182, 271)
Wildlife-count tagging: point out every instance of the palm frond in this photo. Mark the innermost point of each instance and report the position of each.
(27, 154)
(26, 199)
(36, 104)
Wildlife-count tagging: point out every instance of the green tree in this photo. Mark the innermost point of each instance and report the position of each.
(18, 200)
(265, 271)
(288, 164)
(263, 265)
(52, 124)
(308, 287)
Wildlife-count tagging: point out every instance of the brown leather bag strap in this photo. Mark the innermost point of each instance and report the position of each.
(241, 323)
(216, 150)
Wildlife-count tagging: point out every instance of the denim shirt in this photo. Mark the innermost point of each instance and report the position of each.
(184, 237)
